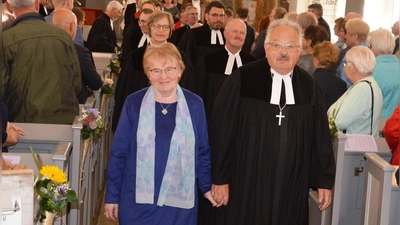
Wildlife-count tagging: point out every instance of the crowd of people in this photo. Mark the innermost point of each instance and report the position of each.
(215, 121)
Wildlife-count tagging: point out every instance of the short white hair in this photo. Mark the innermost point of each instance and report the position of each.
(283, 22)
(114, 5)
(306, 19)
(21, 4)
(382, 41)
(362, 58)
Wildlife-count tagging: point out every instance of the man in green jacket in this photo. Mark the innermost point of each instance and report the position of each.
(41, 75)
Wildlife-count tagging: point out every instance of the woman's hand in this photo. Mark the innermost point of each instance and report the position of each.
(111, 211)
(210, 198)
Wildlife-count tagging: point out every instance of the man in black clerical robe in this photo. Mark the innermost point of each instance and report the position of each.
(270, 138)
(135, 37)
(132, 78)
(214, 68)
(102, 36)
(199, 41)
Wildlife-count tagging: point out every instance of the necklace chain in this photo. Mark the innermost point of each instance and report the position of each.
(164, 110)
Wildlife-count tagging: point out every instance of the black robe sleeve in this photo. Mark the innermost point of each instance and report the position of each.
(224, 117)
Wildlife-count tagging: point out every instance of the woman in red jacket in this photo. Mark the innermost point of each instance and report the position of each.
(391, 132)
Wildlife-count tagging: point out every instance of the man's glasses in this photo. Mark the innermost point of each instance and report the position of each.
(142, 22)
(345, 63)
(169, 71)
(193, 14)
(215, 16)
(276, 46)
(164, 27)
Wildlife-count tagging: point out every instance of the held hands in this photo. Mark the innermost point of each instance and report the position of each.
(210, 198)
(324, 198)
(220, 193)
(111, 211)
(13, 134)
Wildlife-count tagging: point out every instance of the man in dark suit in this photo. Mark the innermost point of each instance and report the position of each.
(242, 13)
(66, 20)
(318, 11)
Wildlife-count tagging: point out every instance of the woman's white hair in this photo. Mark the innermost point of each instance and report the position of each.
(382, 41)
(362, 58)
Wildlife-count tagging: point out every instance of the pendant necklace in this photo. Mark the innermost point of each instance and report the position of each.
(280, 116)
(164, 110)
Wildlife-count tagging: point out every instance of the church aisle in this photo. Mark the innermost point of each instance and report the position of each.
(102, 218)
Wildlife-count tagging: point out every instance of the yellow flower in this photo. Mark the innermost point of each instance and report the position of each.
(54, 173)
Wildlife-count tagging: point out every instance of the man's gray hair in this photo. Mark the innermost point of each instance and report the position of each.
(362, 58)
(283, 22)
(21, 4)
(382, 41)
(114, 5)
(306, 19)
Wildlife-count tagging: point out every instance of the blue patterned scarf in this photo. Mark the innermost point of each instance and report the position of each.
(177, 187)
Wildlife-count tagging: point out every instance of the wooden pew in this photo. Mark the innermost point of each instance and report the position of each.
(59, 158)
(17, 197)
(348, 189)
(44, 139)
(381, 193)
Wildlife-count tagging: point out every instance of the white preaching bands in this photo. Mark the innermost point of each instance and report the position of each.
(214, 34)
(277, 89)
(231, 61)
(145, 38)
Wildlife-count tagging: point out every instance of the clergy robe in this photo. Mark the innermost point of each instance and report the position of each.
(269, 168)
(211, 75)
(132, 78)
(101, 37)
(196, 43)
(131, 41)
(178, 34)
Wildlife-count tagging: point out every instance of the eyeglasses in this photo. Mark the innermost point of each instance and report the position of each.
(119, 11)
(276, 46)
(142, 22)
(169, 71)
(215, 16)
(345, 63)
(193, 14)
(158, 26)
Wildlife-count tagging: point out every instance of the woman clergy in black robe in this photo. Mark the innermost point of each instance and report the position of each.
(132, 78)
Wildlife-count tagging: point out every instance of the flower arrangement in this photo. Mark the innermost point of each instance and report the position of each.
(93, 124)
(331, 121)
(107, 87)
(54, 191)
(52, 186)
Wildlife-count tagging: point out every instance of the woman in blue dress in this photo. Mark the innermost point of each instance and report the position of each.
(160, 154)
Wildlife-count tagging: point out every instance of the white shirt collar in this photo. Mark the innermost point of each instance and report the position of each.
(231, 61)
(277, 88)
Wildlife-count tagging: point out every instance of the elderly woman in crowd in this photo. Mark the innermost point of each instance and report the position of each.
(339, 31)
(312, 36)
(387, 69)
(325, 56)
(160, 152)
(133, 78)
(360, 107)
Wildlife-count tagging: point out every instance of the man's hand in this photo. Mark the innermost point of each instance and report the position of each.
(324, 198)
(111, 211)
(220, 193)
